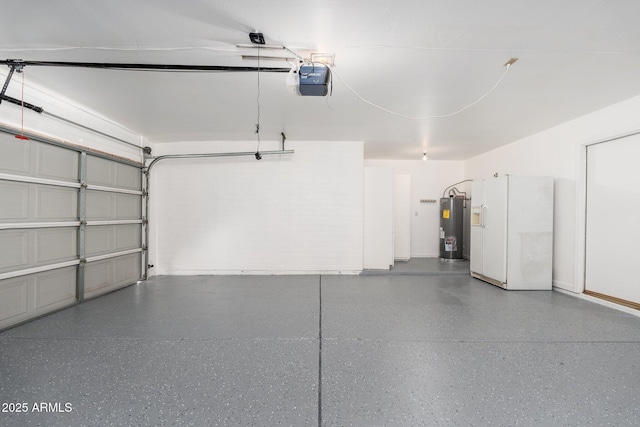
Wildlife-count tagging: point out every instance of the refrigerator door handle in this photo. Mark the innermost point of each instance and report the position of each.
(483, 214)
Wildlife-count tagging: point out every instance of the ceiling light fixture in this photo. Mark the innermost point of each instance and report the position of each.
(424, 156)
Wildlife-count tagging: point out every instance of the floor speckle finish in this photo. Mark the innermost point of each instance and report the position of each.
(394, 350)
(383, 383)
(424, 267)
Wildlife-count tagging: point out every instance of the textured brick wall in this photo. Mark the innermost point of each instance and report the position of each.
(301, 213)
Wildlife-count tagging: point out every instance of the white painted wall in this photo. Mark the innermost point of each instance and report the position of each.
(45, 125)
(378, 218)
(300, 213)
(428, 181)
(559, 152)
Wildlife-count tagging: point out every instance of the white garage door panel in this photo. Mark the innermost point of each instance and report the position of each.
(100, 171)
(111, 274)
(128, 177)
(33, 202)
(37, 159)
(98, 278)
(104, 239)
(50, 224)
(107, 173)
(56, 204)
(56, 163)
(15, 156)
(128, 236)
(99, 205)
(15, 201)
(104, 206)
(54, 245)
(23, 298)
(110, 202)
(55, 288)
(13, 250)
(26, 248)
(128, 206)
(98, 240)
(13, 299)
(128, 269)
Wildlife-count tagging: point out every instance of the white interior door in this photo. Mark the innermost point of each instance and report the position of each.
(494, 248)
(402, 217)
(613, 227)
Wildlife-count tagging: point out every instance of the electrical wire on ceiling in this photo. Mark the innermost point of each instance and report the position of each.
(326, 98)
(330, 89)
(508, 65)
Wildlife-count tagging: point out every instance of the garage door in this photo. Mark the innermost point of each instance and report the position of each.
(70, 226)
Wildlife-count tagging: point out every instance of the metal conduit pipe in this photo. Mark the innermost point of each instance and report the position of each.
(444, 193)
(186, 156)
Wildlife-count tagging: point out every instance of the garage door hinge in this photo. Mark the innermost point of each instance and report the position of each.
(83, 222)
(144, 221)
(83, 185)
(144, 248)
(83, 261)
(144, 193)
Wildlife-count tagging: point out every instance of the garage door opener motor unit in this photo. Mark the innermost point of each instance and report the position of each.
(314, 80)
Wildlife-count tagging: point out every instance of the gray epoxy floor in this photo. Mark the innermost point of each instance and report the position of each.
(394, 350)
(424, 267)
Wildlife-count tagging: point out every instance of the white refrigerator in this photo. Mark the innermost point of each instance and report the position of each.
(512, 232)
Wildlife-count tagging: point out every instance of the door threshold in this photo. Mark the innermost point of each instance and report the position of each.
(620, 301)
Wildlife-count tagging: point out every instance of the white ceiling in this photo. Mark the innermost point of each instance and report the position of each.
(415, 57)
